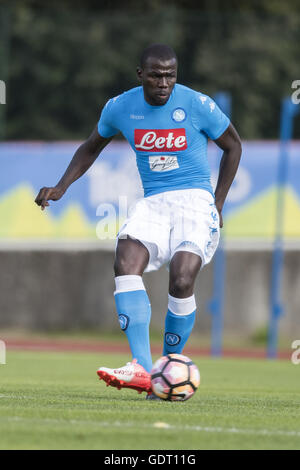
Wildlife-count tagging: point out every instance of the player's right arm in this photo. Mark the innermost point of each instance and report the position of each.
(84, 156)
(83, 159)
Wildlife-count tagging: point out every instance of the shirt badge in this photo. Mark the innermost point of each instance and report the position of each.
(178, 115)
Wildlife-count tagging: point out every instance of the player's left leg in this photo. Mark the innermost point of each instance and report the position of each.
(143, 244)
(180, 317)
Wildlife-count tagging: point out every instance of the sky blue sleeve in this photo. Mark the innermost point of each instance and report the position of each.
(208, 117)
(106, 124)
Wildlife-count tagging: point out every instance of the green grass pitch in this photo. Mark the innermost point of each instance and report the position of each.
(55, 401)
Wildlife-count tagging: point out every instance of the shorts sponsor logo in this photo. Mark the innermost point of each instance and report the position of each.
(214, 216)
(163, 163)
(160, 140)
(187, 244)
(208, 247)
(172, 339)
(178, 115)
(124, 321)
(213, 230)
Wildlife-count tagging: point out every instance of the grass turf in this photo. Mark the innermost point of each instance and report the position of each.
(55, 401)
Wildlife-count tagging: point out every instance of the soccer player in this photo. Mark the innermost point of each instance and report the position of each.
(177, 222)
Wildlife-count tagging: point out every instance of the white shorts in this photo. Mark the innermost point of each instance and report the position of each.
(181, 220)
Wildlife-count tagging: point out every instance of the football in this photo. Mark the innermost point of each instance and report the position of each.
(174, 377)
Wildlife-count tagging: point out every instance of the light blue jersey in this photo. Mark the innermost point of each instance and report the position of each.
(170, 141)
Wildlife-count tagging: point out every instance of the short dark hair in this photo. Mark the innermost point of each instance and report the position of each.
(159, 51)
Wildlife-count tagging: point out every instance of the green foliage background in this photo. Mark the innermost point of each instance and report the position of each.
(63, 60)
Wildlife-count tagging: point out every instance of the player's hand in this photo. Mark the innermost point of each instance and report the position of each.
(221, 219)
(47, 194)
(220, 216)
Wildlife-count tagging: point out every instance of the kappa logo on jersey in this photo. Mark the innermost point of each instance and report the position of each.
(136, 116)
(212, 106)
(160, 140)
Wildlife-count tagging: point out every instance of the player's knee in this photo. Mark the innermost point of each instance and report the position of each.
(120, 267)
(123, 267)
(131, 258)
(181, 286)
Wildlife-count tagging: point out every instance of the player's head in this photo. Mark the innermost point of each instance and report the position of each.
(157, 73)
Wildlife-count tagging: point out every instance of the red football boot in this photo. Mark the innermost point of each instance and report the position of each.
(132, 375)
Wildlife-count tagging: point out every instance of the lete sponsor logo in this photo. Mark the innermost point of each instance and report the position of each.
(160, 140)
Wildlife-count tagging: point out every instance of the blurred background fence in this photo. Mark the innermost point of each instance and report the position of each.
(61, 62)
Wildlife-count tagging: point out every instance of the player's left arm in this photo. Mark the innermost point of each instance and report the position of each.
(231, 145)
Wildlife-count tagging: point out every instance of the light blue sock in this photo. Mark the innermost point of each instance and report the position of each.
(134, 311)
(179, 323)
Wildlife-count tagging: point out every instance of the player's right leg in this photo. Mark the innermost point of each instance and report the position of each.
(134, 311)
(132, 302)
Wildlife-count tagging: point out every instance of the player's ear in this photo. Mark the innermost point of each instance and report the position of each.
(139, 73)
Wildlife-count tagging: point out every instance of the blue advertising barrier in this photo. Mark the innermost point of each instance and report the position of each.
(249, 210)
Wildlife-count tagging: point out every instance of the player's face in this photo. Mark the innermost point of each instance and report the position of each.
(158, 79)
